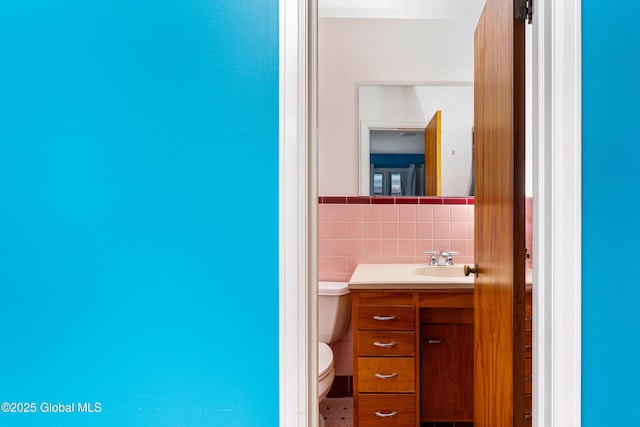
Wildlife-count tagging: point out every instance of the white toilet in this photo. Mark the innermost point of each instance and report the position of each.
(334, 309)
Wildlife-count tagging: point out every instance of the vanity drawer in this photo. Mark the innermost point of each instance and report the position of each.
(386, 317)
(379, 410)
(386, 374)
(383, 343)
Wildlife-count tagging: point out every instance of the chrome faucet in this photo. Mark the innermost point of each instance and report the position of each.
(441, 257)
(432, 258)
(446, 257)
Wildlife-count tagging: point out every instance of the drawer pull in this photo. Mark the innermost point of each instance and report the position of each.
(528, 319)
(527, 379)
(383, 318)
(385, 344)
(386, 414)
(528, 347)
(386, 376)
(528, 416)
(433, 341)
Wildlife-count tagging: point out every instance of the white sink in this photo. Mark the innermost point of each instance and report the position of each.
(410, 276)
(439, 270)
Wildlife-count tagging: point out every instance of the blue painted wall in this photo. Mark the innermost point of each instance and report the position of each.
(611, 172)
(123, 241)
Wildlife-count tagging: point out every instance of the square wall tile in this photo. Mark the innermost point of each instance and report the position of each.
(389, 213)
(373, 248)
(339, 247)
(372, 213)
(424, 213)
(390, 249)
(441, 230)
(407, 213)
(389, 230)
(372, 230)
(424, 230)
(459, 213)
(338, 230)
(355, 247)
(355, 230)
(407, 230)
(442, 213)
(458, 230)
(407, 248)
(324, 229)
(355, 212)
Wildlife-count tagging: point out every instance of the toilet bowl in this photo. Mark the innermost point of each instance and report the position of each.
(334, 309)
(326, 372)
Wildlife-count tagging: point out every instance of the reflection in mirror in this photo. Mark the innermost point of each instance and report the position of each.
(393, 120)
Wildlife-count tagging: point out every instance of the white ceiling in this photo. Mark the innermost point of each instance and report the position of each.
(464, 10)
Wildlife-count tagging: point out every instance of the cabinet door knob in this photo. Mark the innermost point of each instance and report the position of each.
(468, 270)
(386, 414)
(386, 376)
(385, 344)
(433, 341)
(383, 318)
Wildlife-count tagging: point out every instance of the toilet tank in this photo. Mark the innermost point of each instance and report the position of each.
(334, 310)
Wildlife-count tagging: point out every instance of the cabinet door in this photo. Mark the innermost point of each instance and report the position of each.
(447, 372)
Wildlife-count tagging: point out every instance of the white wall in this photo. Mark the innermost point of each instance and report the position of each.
(358, 51)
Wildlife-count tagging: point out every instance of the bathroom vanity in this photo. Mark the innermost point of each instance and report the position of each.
(413, 345)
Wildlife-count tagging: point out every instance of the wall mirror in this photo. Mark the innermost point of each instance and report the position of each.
(415, 140)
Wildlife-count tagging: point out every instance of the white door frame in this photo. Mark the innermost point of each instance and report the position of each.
(366, 126)
(557, 113)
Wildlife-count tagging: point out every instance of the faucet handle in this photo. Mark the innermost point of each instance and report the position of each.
(432, 260)
(448, 256)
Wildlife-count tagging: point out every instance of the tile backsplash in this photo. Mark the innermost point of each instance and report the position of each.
(355, 230)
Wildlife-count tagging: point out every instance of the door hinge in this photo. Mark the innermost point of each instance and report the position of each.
(523, 9)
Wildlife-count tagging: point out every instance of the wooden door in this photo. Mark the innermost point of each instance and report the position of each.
(432, 155)
(499, 217)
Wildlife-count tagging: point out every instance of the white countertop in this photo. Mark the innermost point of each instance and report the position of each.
(408, 276)
(403, 276)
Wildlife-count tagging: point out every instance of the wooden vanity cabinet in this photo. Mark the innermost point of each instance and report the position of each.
(446, 358)
(390, 378)
(384, 325)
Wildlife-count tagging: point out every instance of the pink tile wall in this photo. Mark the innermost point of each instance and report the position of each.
(351, 234)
